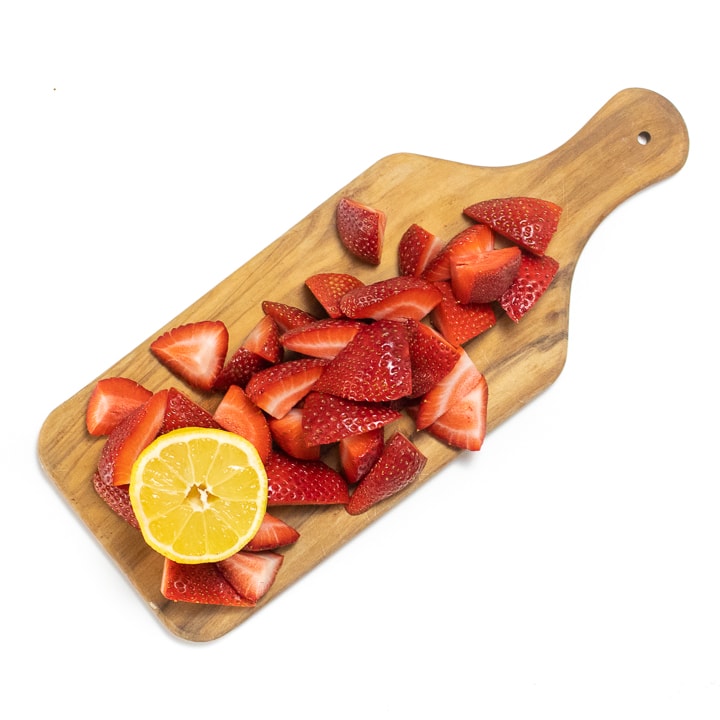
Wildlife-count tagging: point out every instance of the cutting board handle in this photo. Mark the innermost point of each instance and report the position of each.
(636, 139)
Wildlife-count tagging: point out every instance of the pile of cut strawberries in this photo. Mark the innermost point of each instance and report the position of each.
(300, 384)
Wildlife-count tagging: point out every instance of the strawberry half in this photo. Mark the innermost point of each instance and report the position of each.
(373, 367)
(182, 411)
(358, 453)
(278, 388)
(395, 297)
(399, 464)
(303, 482)
(532, 280)
(238, 414)
(117, 498)
(129, 438)
(417, 249)
(202, 583)
(110, 401)
(272, 534)
(251, 573)
(464, 424)
(286, 316)
(471, 241)
(329, 287)
(450, 390)
(484, 278)
(329, 418)
(457, 322)
(361, 229)
(195, 351)
(241, 366)
(432, 357)
(321, 338)
(264, 339)
(290, 436)
(529, 222)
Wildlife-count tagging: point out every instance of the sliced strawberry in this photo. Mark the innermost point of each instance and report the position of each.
(373, 367)
(329, 287)
(417, 249)
(533, 279)
(201, 583)
(286, 316)
(431, 357)
(264, 339)
(129, 438)
(195, 351)
(272, 534)
(238, 414)
(395, 297)
(182, 411)
(358, 453)
(464, 424)
(457, 322)
(449, 391)
(110, 401)
(321, 338)
(289, 434)
(329, 418)
(279, 387)
(361, 229)
(118, 499)
(485, 278)
(470, 241)
(527, 221)
(251, 573)
(241, 366)
(398, 466)
(303, 482)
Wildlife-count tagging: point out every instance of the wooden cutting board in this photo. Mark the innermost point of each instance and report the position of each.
(636, 139)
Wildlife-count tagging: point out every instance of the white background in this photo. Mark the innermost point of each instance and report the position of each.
(570, 569)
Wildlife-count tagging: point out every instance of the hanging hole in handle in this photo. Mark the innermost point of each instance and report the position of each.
(644, 137)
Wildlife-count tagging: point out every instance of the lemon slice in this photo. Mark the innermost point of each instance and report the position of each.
(199, 494)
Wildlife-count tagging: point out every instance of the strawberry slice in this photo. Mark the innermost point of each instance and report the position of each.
(278, 388)
(289, 434)
(361, 229)
(241, 366)
(458, 323)
(110, 401)
(373, 367)
(129, 438)
(329, 418)
(329, 287)
(533, 279)
(272, 534)
(432, 357)
(358, 453)
(202, 583)
(117, 498)
(398, 466)
(529, 222)
(303, 482)
(182, 411)
(251, 573)
(195, 351)
(238, 414)
(464, 424)
(395, 297)
(264, 340)
(417, 249)
(321, 338)
(471, 241)
(286, 316)
(450, 390)
(485, 278)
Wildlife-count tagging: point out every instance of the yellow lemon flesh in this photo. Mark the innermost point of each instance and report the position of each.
(199, 494)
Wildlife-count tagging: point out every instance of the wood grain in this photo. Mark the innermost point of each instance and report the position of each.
(591, 174)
